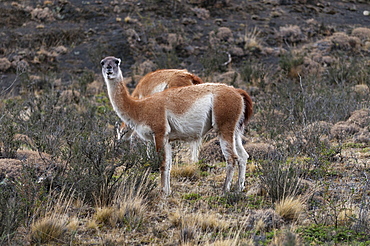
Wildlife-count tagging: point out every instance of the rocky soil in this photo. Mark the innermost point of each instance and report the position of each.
(61, 40)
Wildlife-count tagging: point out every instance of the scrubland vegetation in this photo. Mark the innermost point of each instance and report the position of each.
(66, 180)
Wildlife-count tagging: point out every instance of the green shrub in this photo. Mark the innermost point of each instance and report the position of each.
(290, 62)
(214, 60)
(321, 234)
(254, 73)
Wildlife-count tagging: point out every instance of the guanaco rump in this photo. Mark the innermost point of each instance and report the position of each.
(184, 113)
(158, 81)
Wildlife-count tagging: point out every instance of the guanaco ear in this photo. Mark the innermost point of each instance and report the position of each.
(118, 61)
(102, 62)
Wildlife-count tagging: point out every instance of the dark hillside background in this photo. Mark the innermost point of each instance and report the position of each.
(63, 39)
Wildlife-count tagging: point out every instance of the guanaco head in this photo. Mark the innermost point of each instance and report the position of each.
(110, 67)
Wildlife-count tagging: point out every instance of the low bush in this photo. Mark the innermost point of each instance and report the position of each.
(280, 179)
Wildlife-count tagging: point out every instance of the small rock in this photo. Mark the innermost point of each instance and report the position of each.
(201, 13)
(361, 89)
(5, 64)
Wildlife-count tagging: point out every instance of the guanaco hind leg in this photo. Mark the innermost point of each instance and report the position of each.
(242, 162)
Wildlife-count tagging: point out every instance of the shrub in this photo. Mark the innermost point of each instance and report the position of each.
(11, 213)
(280, 179)
(20, 197)
(291, 63)
(167, 59)
(214, 60)
(78, 135)
(10, 144)
(291, 34)
(321, 234)
(84, 151)
(255, 74)
(9, 128)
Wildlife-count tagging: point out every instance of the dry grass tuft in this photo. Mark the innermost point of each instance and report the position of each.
(342, 41)
(175, 218)
(211, 222)
(252, 42)
(345, 216)
(289, 208)
(192, 224)
(73, 224)
(103, 215)
(189, 171)
(252, 167)
(260, 225)
(92, 225)
(195, 225)
(48, 229)
(231, 239)
(130, 213)
(206, 221)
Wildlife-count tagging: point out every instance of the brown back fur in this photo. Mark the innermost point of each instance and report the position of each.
(172, 77)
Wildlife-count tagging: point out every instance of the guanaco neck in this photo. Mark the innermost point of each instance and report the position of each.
(120, 98)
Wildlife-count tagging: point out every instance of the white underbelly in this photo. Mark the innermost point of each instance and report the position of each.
(193, 124)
